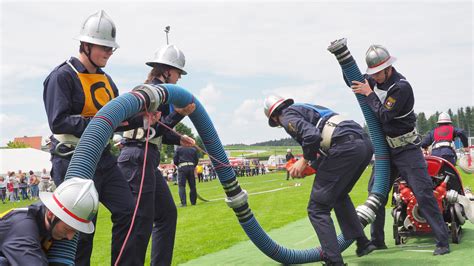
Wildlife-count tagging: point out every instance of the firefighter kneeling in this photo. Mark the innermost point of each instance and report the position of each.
(27, 233)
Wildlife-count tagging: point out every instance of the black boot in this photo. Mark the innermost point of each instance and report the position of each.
(364, 247)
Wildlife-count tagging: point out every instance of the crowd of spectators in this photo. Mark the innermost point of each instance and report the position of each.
(250, 170)
(18, 186)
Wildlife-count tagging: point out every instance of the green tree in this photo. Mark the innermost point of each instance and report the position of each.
(469, 120)
(17, 145)
(422, 124)
(167, 151)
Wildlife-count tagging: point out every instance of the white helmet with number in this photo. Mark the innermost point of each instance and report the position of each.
(378, 58)
(169, 55)
(272, 103)
(444, 118)
(75, 202)
(98, 29)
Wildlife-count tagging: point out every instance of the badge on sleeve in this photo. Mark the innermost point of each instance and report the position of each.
(291, 128)
(390, 102)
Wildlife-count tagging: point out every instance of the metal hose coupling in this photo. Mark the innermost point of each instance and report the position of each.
(340, 50)
(367, 211)
(155, 95)
(452, 196)
(238, 200)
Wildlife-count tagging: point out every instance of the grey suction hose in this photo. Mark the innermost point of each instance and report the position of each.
(381, 185)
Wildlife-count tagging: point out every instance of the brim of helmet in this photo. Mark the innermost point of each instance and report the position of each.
(286, 102)
(444, 122)
(152, 64)
(383, 66)
(48, 201)
(88, 39)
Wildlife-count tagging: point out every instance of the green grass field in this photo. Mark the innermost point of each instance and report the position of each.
(211, 227)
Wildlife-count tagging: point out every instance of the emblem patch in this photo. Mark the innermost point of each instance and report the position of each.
(390, 102)
(291, 128)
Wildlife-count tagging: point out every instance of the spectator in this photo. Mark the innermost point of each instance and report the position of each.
(11, 195)
(3, 188)
(34, 182)
(15, 180)
(45, 181)
(199, 171)
(288, 157)
(23, 186)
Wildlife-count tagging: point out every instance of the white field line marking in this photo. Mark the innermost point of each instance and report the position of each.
(244, 183)
(256, 193)
(419, 250)
(305, 240)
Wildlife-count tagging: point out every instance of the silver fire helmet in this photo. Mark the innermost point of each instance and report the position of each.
(98, 29)
(169, 55)
(378, 58)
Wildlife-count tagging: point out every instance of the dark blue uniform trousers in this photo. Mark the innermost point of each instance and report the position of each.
(157, 212)
(187, 173)
(337, 174)
(377, 232)
(164, 225)
(413, 169)
(445, 153)
(115, 194)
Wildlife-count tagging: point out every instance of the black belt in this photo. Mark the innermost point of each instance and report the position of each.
(345, 138)
(136, 143)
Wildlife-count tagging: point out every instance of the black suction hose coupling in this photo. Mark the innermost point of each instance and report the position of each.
(340, 50)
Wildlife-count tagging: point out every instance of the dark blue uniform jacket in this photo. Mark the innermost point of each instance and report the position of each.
(63, 98)
(398, 102)
(185, 155)
(21, 234)
(300, 123)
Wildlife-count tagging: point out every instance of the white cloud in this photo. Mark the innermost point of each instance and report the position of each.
(209, 96)
(260, 45)
(19, 126)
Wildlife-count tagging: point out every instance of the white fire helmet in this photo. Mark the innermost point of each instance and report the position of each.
(444, 118)
(75, 202)
(169, 55)
(271, 104)
(98, 29)
(378, 58)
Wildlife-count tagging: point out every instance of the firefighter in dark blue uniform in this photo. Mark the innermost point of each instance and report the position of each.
(390, 97)
(157, 212)
(186, 159)
(26, 234)
(345, 151)
(441, 139)
(73, 93)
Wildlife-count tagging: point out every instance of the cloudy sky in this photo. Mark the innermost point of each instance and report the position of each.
(239, 52)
